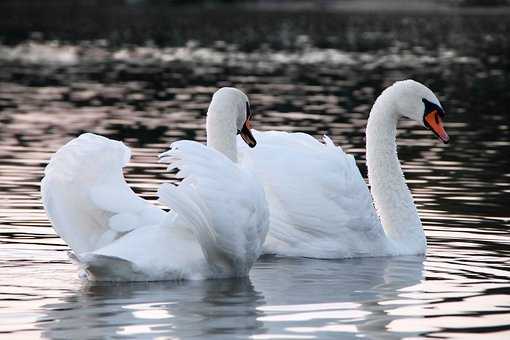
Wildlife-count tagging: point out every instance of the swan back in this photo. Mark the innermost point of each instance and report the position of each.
(319, 203)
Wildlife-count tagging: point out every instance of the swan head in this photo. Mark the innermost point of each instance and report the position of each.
(230, 108)
(417, 102)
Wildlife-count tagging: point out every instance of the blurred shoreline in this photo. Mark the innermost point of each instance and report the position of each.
(460, 6)
(367, 6)
(348, 24)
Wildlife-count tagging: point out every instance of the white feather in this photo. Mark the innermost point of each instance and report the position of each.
(86, 196)
(219, 216)
(320, 205)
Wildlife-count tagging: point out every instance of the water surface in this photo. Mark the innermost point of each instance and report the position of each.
(150, 93)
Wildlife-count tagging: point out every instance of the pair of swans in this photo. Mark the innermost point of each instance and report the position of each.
(291, 195)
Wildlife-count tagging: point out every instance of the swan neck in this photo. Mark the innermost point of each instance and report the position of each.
(221, 134)
(392, 198)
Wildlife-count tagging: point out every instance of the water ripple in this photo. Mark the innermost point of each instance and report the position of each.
(150, 96)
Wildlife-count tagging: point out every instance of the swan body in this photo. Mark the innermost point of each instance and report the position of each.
(320, 206)
(218, 218)
(319, 203)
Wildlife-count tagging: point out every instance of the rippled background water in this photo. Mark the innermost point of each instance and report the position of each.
(145, 76)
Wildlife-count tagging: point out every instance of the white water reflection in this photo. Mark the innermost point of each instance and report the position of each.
(284, 297)
(150, 96)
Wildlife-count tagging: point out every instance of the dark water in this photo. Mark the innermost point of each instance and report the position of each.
(312, 72)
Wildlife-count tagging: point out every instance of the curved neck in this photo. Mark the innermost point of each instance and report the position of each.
(392, 197)
(221, 134)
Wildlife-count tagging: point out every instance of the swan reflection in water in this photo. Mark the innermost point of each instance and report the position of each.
(282, 297)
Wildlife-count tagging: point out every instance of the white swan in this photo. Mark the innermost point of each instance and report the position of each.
(319, 204)
(219, 217)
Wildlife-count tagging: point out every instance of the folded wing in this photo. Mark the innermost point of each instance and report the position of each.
(320, 205)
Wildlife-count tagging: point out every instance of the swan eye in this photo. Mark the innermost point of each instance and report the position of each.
(431, 107)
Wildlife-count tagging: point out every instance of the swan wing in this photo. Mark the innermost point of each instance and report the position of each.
(86, 196)
(223, 204)
(320, 205)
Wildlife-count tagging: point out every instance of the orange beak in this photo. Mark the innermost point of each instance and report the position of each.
(434, 122)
